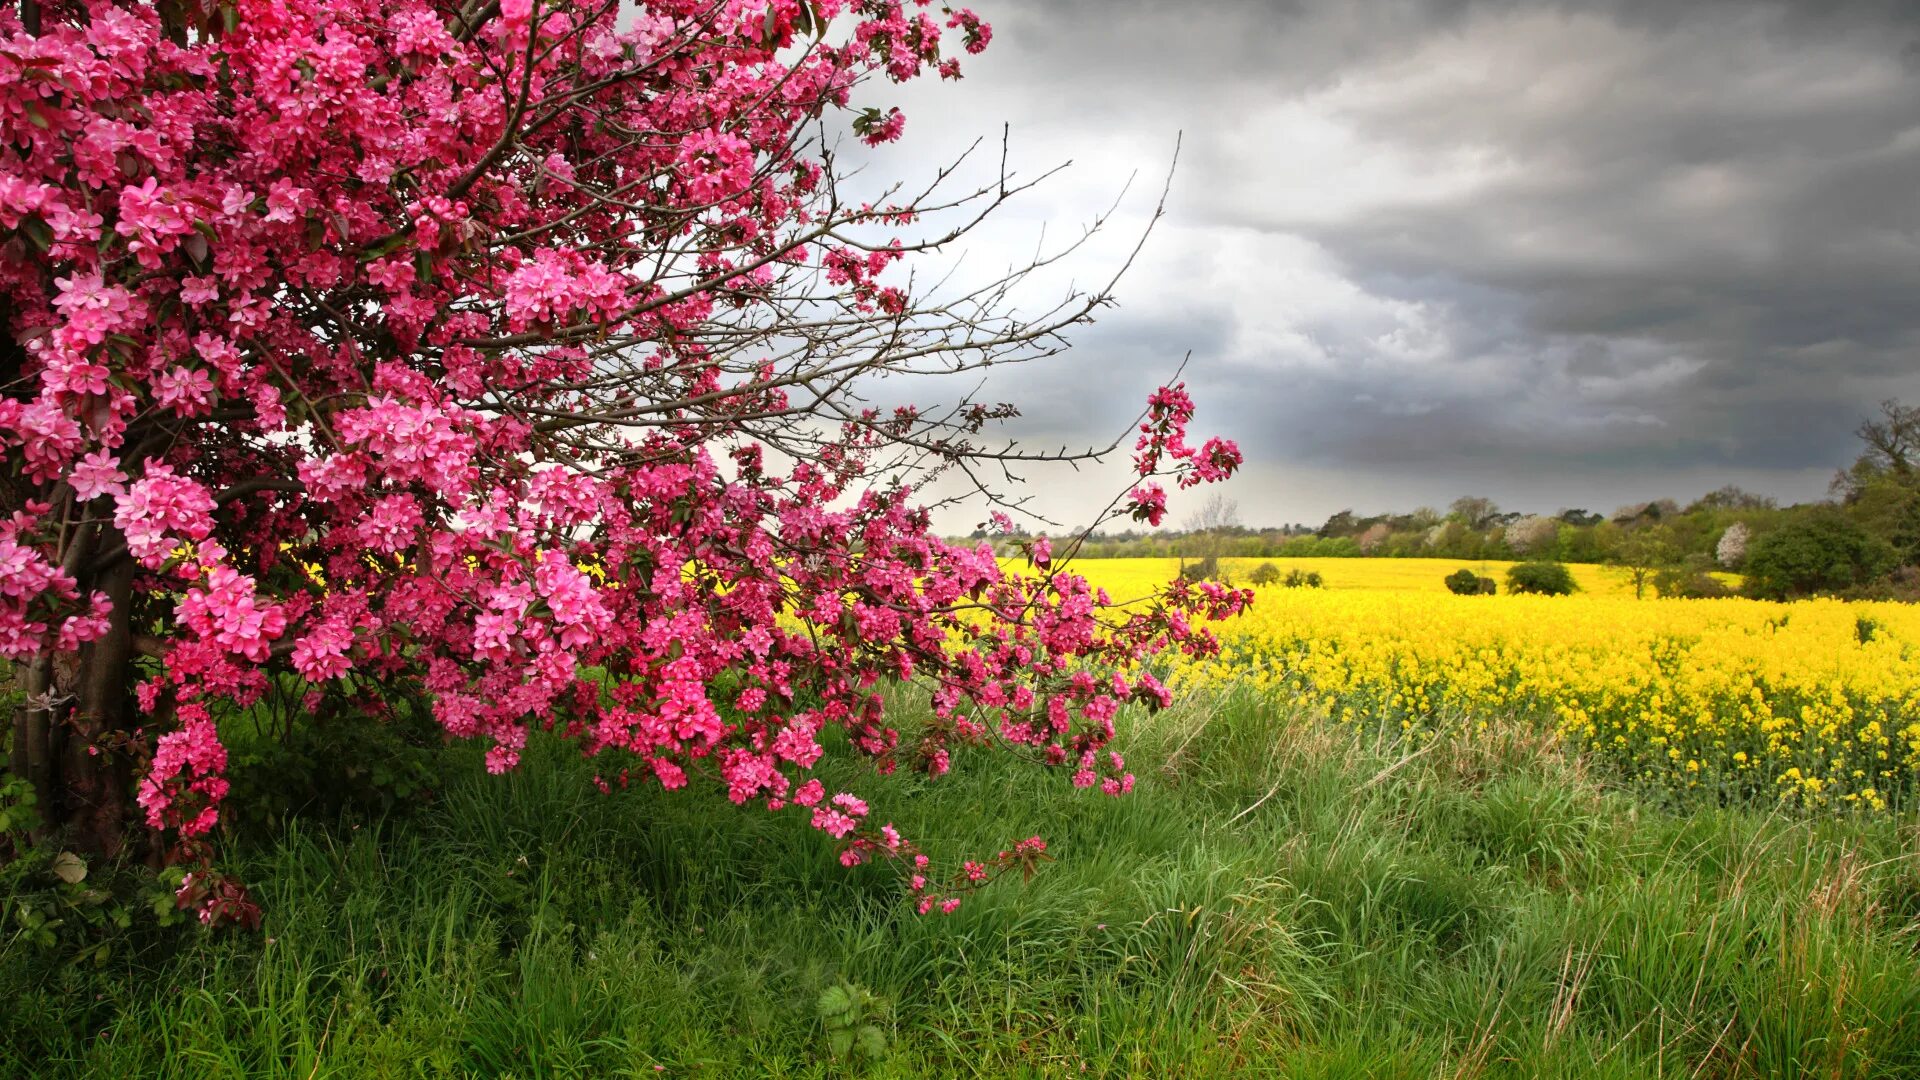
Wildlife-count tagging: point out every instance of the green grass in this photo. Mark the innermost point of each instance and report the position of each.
(1277, 899)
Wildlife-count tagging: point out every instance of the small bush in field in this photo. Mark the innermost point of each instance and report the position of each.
(1464, 582)
(1541, 579)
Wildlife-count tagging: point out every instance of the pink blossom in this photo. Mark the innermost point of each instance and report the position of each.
(96, 474)
(385, 409)
(184, 391)
(160, 511)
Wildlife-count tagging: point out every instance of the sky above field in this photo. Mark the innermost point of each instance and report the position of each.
(1562, 255)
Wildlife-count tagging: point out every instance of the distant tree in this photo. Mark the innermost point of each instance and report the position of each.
(1532, 534)
(1209, 533)
(1690, 577)
(1881, 489)
(1888, 506)
(1643, 553)
(1341, 524)
(1464, 582)
(1732, 497)
(1822, 550)
(1580, 517)
(1636, 513)
(1731, 551)
(1892, 444)
(1541, 578)
(1303, 579)
(1264, 574)
(1375, 535)
(1475, 510)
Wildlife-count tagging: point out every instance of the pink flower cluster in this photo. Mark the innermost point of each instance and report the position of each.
(185, 776)
(322, 307)
(162, 511)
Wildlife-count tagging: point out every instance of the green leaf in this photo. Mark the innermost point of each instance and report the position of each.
(840, 1042)
(385, 247)
(37, 231)
(69, 868)
(872, 1042)
(834, 1000)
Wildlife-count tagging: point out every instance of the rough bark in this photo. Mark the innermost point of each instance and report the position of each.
(95, 782)
(68, 733)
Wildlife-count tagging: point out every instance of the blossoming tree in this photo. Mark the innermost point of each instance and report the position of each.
(505, 356)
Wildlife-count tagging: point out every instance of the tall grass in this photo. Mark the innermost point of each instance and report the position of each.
(1280, 898)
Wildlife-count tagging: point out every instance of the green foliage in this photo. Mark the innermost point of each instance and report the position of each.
(1888, 507)
(1822, 550)
(1303, 579)
(19, 810)
(848, 1013)
(1644, 552)
(59, 907)
(1464, 582)
(1319, 547)
(1207, 569)
(337, 761)
(1281, 897)
(1264, 574)
(1689, 578)
(1541, 578)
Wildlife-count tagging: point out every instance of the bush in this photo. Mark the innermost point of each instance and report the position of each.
(1265, 574)
(1207, 569)
(1298, 579)
(1541, 579)
(1691, 578)
(1822, 551)
(1464, 582)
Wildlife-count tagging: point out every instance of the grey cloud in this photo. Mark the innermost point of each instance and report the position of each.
(1624, 241)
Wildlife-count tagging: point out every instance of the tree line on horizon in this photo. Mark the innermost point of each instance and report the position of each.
(1862, 541)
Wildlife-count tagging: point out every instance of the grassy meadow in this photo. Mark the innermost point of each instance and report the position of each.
(1410, 873)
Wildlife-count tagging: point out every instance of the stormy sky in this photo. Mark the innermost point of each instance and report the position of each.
(1559, 254)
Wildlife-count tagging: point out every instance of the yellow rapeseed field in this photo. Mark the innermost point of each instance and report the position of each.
(1816, 703)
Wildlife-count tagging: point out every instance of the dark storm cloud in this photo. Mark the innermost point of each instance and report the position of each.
(1449, 238)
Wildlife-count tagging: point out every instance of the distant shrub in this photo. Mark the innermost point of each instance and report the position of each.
(1541, 579)
(1902, 585)
(1821, 551)
(1533, 534)
(1731, 551)
(1464, 582)
(1265, 574)
(1691, 578)
(1207, 569)
(1299, 579)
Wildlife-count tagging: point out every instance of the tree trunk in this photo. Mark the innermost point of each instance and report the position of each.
(68, 735)
(96, 779)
